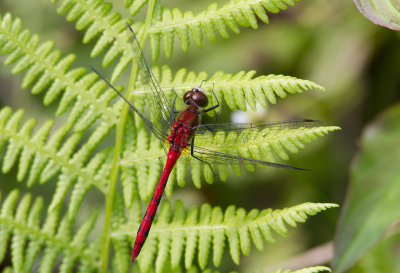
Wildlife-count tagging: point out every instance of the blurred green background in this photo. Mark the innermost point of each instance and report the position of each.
(328, 42)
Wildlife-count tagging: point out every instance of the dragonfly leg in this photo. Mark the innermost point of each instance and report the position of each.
(208, 128)
(192, 153)
(212, 107)
(199, 159)
(215, 121)
(173, 110)
(217, 115)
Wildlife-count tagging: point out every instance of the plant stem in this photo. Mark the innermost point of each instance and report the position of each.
(118, 149)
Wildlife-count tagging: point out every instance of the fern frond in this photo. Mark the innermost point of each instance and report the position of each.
(237, 91)
(175, 233)
(211, 21)
(21, 224)
(121, 244)
(264, 144)
(41, 155)
(91, 101)
(44, 69)
(66, 178)
(99, 19)
(313, 269)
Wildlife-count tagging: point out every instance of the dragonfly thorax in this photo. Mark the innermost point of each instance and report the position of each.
(196, 96)
(180, 135)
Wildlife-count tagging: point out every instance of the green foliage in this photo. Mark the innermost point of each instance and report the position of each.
(375, 188)
(177, 235)
(21, 227)
(76, 155)
(385, 13)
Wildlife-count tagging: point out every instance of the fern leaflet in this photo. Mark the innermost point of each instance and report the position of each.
(53, 238)
(176, 235)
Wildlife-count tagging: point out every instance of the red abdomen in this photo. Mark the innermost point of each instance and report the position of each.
(145, 226)
(181, 133)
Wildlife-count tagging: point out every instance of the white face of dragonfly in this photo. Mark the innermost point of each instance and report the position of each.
(196, 96)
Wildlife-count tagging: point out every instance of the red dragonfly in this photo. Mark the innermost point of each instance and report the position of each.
(180, 132)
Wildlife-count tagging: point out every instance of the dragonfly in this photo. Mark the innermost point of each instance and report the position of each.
(178, 130)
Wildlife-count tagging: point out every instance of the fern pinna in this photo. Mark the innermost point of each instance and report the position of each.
(77, 157)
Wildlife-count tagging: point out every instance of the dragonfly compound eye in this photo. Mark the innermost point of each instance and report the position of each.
(200, 98)
(187, 96)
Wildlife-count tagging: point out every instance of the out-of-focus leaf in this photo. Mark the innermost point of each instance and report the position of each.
(383, 257)
(381, 12)
(372, 203)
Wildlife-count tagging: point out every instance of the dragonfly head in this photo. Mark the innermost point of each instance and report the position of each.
(196, 96)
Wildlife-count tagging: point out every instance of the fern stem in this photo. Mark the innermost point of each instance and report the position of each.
(114, 175)
(118, 149)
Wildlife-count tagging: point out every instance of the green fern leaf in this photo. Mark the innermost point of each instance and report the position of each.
(51, 168)
(78, 242)
(19, 237)
(135, 6)
(49, 157)
(77, 161)
(33, 224)
(98, 18)
(27, 154)
(204, 236)
(121, 258)
(236, 90)
(178, 240)
(29, 239)
(14, 148)
(6, 214)
(232, 235)
(208, 21)
(199, 229)
(44, 67)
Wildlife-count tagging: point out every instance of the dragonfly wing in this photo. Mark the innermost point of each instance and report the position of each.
(160, 106)
(207, 156)
(227, 143)
(205, 130)
(160, 134)
(239, 133)
(154, 128)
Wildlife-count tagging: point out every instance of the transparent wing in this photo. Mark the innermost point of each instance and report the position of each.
(237, 133)
(160, 107)
(159, 133)
(203, 155)
(219, 138)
